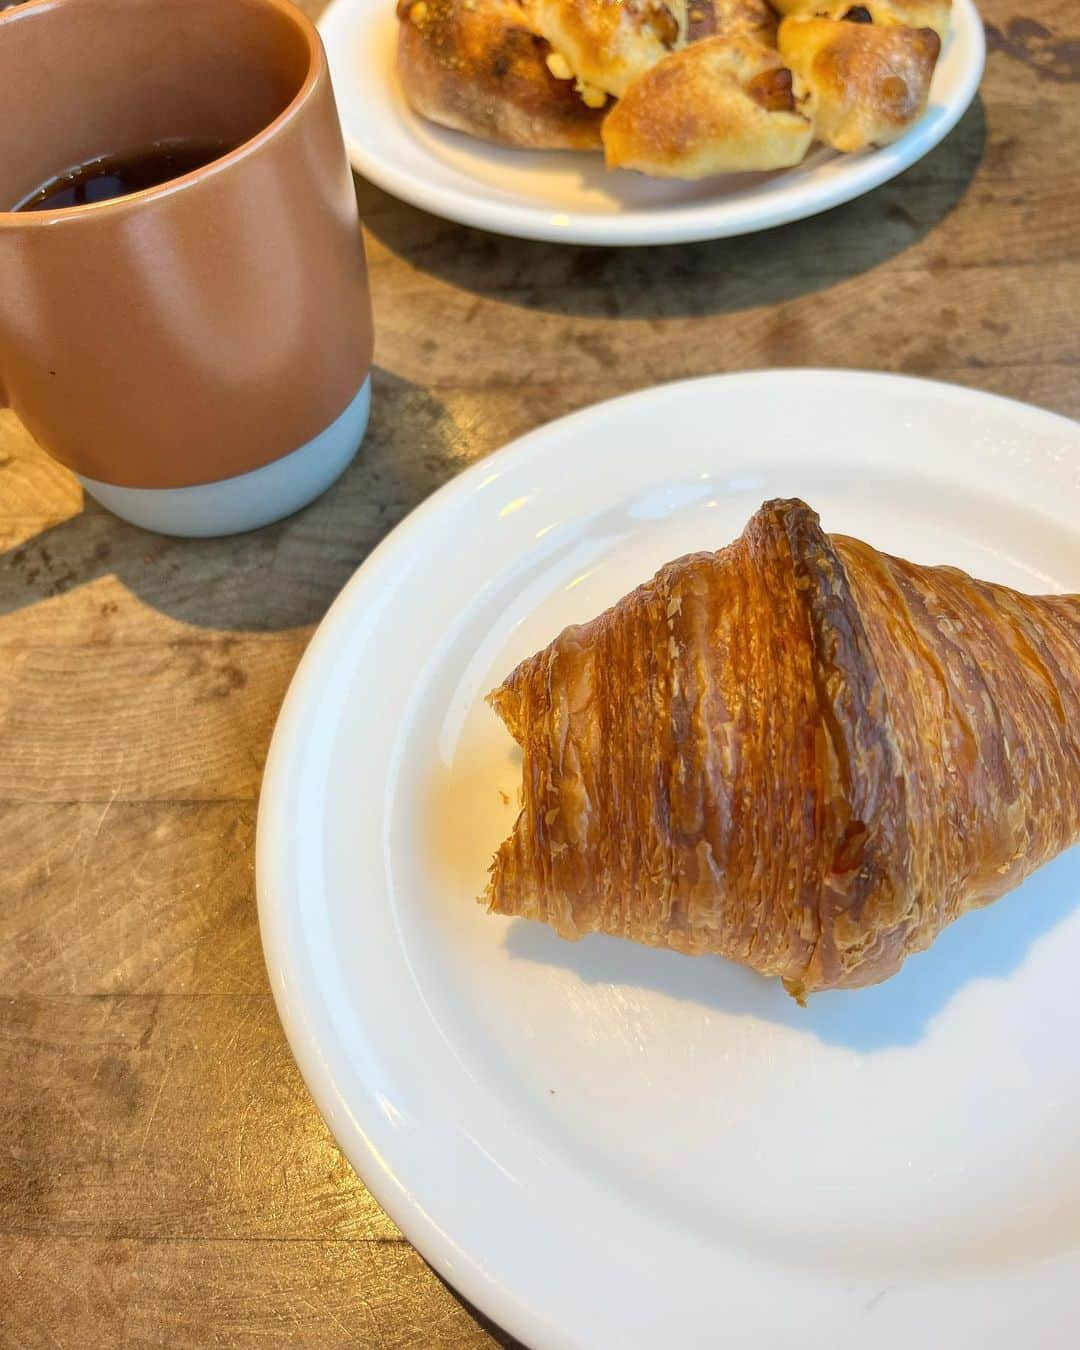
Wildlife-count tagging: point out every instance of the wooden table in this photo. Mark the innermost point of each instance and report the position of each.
(164, 1176)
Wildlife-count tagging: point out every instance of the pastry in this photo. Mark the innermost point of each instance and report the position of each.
(746, 115)
(935, 14)
(466, 68)
(867, 82)
(605, 47)
(673, 88)
(797, 752)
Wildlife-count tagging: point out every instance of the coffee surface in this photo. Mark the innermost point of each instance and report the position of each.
(110, 176)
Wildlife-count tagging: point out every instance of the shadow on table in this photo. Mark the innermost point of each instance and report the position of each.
(684, 280)
(984, 945)
(498, 1337)
(282, 576)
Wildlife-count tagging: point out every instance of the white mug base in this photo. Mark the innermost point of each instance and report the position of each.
(249, 500)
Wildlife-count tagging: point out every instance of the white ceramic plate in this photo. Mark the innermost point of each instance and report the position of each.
(571, 197)
(607, 1146)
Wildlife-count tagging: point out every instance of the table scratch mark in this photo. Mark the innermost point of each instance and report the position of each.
(328, 1312)
(90, 847)
(153, 1109)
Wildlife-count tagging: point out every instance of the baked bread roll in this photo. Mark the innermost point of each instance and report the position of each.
(462, 65)
(867, 82)
(745, 114)
(797, 752)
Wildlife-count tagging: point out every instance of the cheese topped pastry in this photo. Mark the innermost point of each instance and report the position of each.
(603, 45)
(867, 83)
(745, 113)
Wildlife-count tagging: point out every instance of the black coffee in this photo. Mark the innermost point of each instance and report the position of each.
(110, 176)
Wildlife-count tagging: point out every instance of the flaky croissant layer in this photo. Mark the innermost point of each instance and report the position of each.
(797, 752)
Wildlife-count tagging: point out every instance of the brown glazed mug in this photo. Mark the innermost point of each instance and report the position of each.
(198, 353)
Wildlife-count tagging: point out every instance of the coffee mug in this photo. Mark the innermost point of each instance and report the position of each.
(198, 352)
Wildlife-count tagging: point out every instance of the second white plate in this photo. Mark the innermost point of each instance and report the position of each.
(571, 197)
(611, 1147)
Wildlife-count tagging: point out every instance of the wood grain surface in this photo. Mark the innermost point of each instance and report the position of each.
(164, 1176)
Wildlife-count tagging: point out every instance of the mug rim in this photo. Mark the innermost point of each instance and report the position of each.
(316, 70)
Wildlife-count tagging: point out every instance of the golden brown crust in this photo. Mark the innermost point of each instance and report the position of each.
(721, 105)
(486, 67)
(797, 752)
(608, 45)
(544, 74)
(935, 14)
(868, 83)
(464, 66)
(731, 18)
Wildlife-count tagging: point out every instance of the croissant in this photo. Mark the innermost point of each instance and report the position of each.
(797, 752)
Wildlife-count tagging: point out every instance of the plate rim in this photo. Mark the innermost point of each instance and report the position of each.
(692, 223)
(471, 1275)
